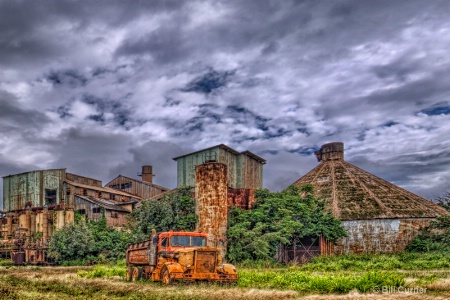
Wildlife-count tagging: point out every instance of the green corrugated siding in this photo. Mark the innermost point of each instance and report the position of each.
(30, 187)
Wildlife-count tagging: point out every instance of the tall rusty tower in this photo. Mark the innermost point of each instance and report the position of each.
(211, 203)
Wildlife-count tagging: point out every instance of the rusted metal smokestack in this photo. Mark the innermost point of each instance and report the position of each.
(147, 174)
(330, 151)
(211, 206)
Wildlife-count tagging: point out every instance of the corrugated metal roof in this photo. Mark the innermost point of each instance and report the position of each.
(222, 146)
(229, 149)
(62, 169)
(140, 181)
(110, 205)
(101, 189)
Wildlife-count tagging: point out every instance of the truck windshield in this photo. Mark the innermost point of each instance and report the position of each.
(188, 241)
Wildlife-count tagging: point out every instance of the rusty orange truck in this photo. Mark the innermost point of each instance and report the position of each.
(177, 256)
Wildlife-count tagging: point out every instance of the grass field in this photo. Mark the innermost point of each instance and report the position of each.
(348, 277)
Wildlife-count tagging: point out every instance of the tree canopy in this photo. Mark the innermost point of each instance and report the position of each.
(277, 218)
(174, 211)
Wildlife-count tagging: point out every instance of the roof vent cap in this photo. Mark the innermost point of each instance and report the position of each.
(330, 151)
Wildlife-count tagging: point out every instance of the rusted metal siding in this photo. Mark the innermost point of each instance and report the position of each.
(243, 198)
(136, 187)
(211, 203)
(379, 235)
(28, 189)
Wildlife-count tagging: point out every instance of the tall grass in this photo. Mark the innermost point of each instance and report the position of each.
(103, 271)
(289, 279)
(376, 262)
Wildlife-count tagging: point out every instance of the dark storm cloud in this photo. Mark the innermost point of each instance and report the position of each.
(437, 109)
(209, 82)
(67, 77)
(104, 87)
(160, 157)
(15, 117)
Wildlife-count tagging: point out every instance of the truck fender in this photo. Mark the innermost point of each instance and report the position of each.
(174, 267)
(228, 269)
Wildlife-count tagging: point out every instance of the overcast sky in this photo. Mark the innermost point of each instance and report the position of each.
(104, 87)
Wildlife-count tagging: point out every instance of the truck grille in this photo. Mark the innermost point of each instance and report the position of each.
(205, 261)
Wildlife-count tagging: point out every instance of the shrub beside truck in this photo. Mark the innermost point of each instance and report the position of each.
(177, 256)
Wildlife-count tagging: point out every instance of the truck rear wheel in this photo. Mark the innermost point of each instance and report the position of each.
(137, 274)
(165, 276)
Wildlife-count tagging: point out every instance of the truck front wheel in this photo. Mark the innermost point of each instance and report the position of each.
(165, 276)
(129, 274)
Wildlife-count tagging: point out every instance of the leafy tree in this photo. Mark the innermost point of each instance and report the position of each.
(108, 241)
(71, 242)
(175, 211)
(276, 218)
(88, 239)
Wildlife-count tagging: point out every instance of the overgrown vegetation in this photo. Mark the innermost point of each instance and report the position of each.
(175, 211)
(319, 283)
(275, 219)
(86, 242)
(435, 237)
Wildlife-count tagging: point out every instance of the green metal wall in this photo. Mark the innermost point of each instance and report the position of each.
(30, 187)
(242, 170)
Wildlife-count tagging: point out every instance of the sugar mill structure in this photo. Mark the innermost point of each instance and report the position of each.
(379, 217)
(37, 203)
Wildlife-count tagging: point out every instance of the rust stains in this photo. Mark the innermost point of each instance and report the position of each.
(379, 235)
(211, 203)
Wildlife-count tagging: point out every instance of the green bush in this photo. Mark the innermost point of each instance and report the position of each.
(87, 242)
(275, 219)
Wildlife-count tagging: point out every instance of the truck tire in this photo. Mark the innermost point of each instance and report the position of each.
(137, 274)
(129, 274)
(165, 276)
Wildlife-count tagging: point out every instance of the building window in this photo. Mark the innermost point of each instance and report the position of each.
(96, 210)
(85, 192)
(81, 211)
(114, 215)
(112, 197)
(50, 196)
(125, 185)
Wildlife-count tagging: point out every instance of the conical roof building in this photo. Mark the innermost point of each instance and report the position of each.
(379, 216)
